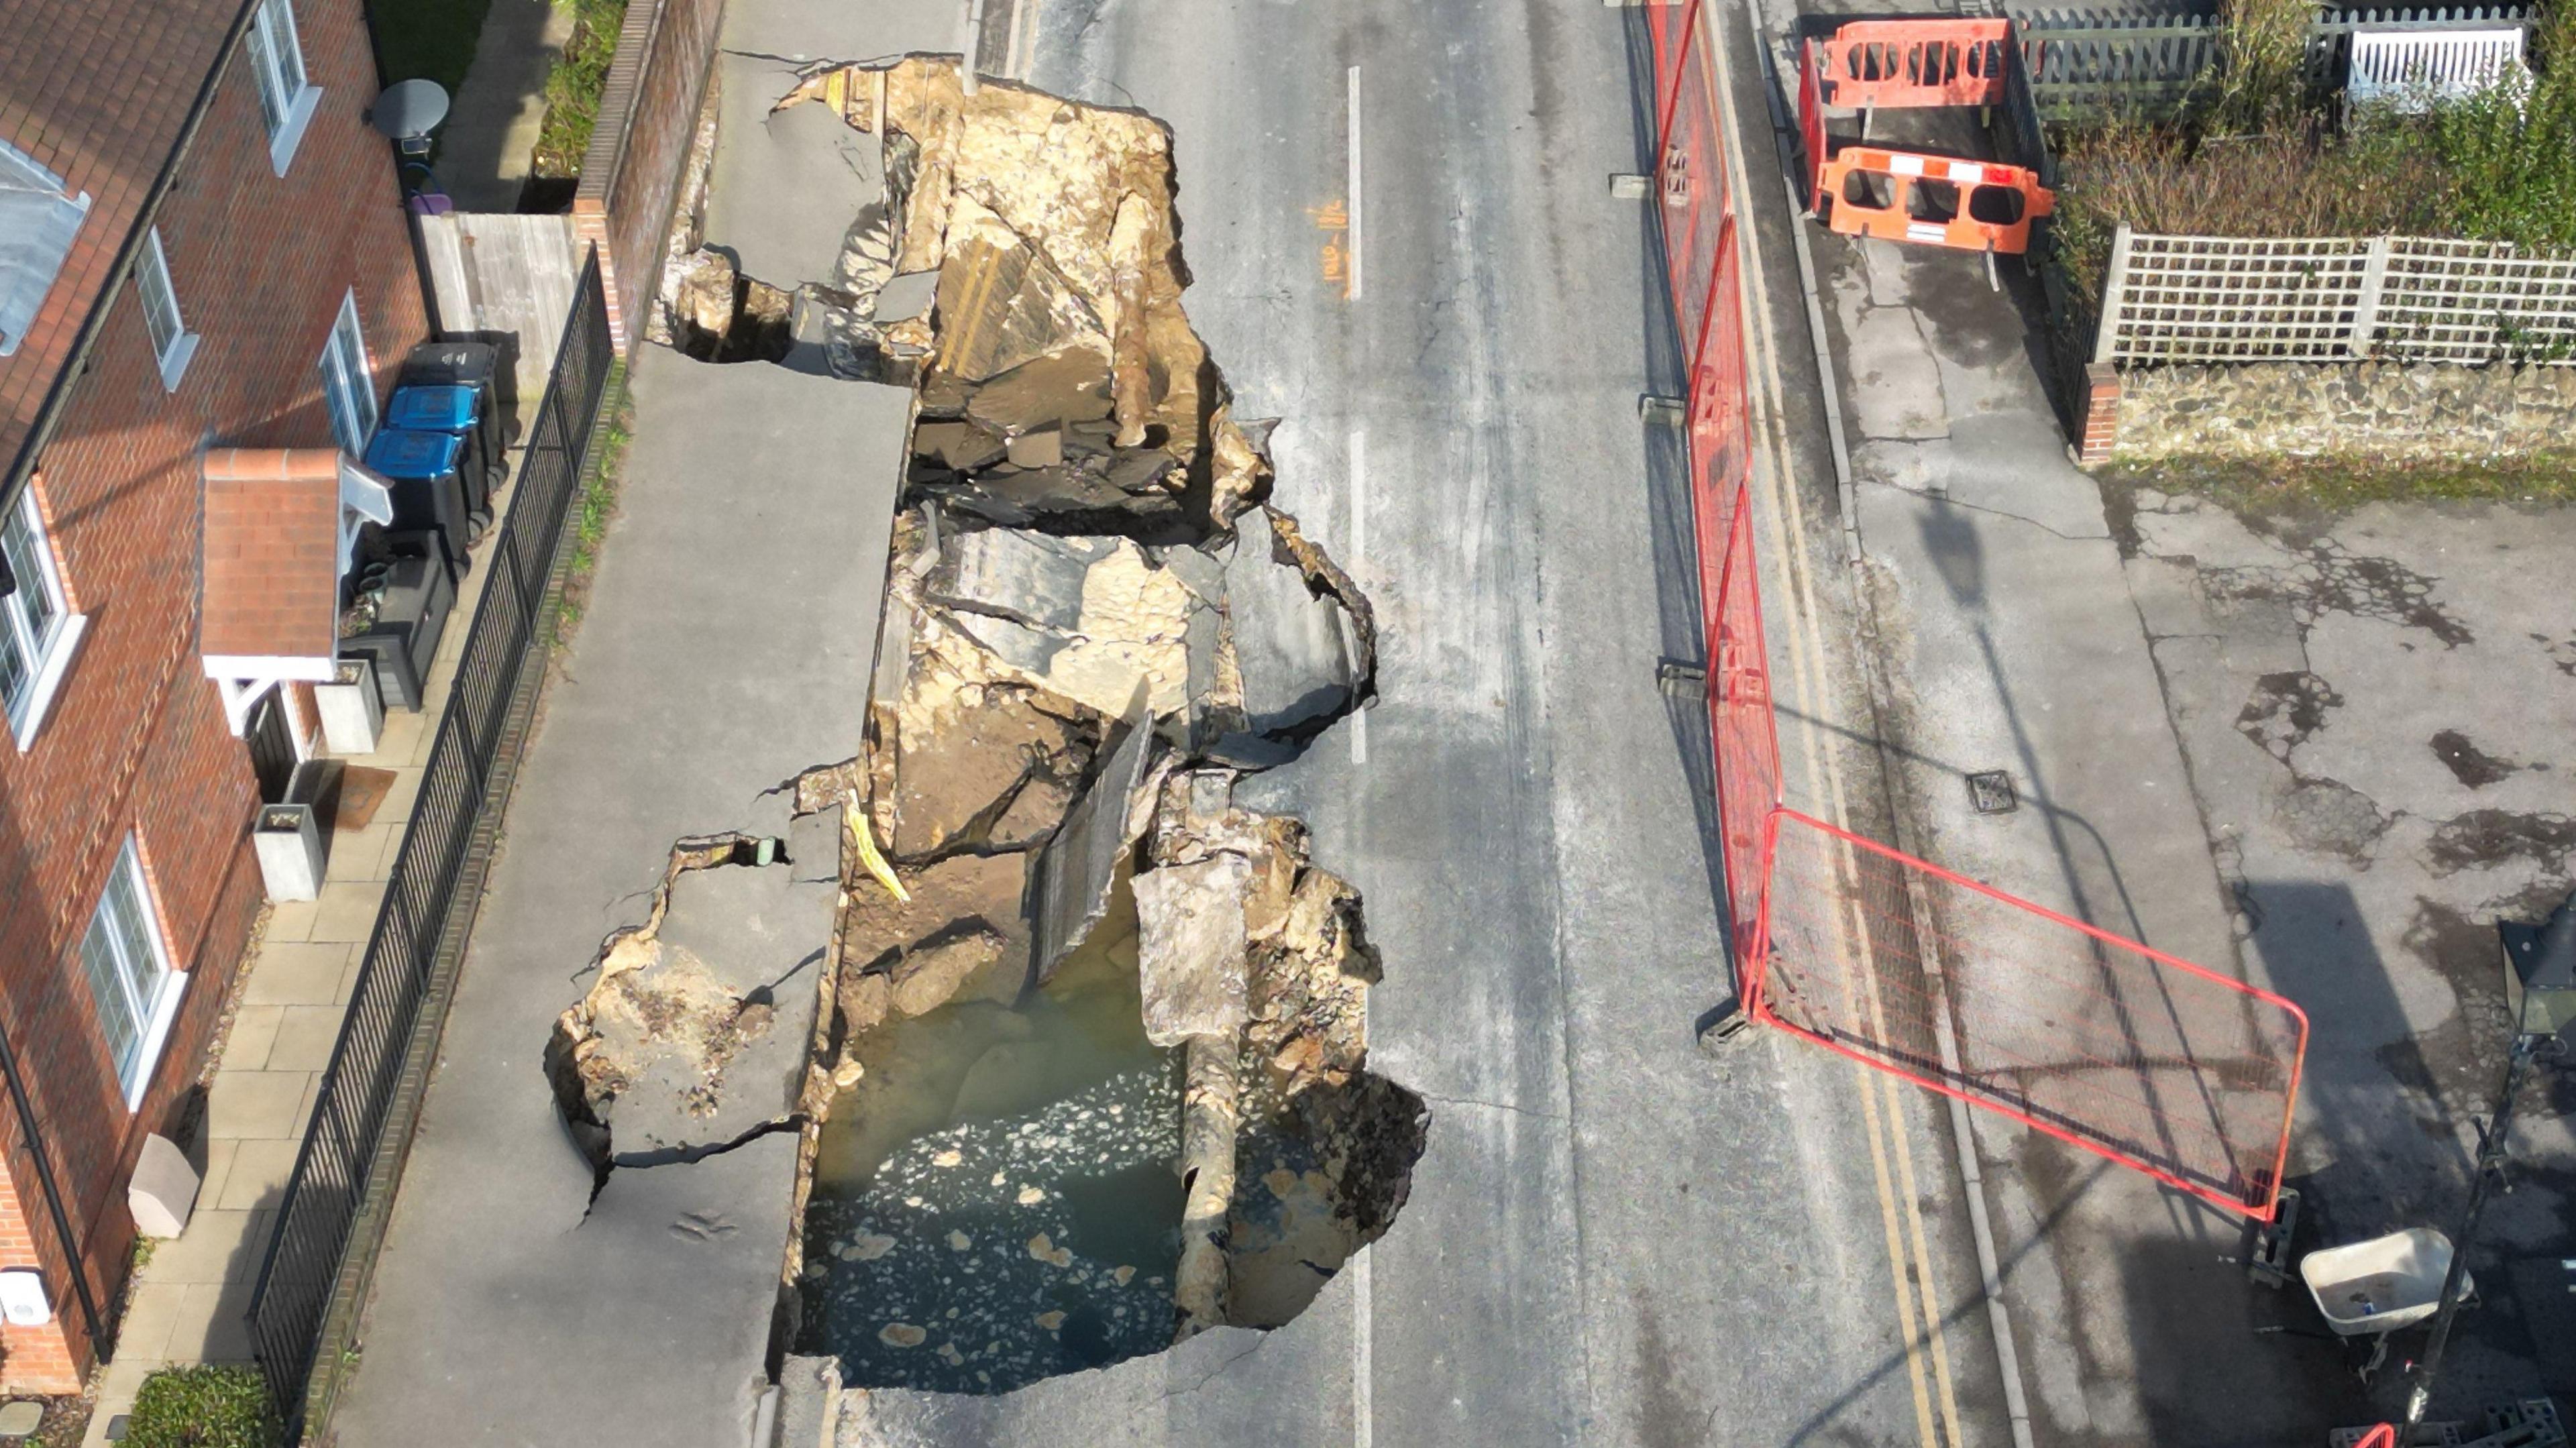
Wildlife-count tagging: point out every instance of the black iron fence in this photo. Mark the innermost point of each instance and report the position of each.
(329, 1222)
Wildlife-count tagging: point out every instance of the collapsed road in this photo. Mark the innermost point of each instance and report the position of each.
(1091, 1078)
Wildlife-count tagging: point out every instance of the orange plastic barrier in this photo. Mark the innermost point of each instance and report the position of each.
(1905, 196)
(1900, 63)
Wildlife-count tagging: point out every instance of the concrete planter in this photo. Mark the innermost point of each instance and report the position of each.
(352, 708)
(290, 851)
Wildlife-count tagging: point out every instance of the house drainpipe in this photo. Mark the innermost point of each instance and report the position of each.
(53, 1193)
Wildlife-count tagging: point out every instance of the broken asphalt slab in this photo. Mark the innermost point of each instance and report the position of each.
(708, 1042)
(725, 647)
(784, 188)
(1075, 870)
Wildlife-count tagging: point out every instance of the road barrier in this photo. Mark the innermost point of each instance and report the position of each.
(1898, 63)
(2131, 1054)
(1913, 196)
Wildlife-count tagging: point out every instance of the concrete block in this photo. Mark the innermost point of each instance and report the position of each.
(809, 1408)
(164, 1189)
(1190, 944)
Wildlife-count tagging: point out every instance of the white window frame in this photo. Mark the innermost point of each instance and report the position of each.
(351, 401)
(287, 94)
(149, 989)
(174, 344)
(48, 648)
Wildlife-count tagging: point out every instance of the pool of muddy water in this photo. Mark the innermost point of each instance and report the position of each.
(995, 1201)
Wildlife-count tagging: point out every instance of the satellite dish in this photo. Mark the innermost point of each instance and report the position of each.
(408, 111)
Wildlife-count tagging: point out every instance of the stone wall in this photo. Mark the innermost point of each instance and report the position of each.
(2425, 410)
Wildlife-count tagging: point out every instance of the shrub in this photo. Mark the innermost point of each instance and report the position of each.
(202, 1407)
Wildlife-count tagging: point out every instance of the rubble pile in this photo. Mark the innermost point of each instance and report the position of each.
(1095, 624)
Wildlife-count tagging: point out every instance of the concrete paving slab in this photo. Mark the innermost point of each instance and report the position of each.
(784, 188)
(758, 933)
(726, 648)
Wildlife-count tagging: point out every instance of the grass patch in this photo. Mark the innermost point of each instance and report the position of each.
(202, 1407)
(427, 39)
(596, 505)
(573, 87)
(2312, 490)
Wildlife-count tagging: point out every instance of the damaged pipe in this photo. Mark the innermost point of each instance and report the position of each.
(1208, 1121)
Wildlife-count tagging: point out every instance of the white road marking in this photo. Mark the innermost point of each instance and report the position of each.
(1354, 181)
(1363, 1372)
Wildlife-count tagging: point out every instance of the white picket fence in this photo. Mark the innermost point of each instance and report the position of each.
(2333, 299)
(2411, 69)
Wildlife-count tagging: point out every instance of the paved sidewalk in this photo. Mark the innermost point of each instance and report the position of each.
(725, 648)
(491, 134)
(190, 1300)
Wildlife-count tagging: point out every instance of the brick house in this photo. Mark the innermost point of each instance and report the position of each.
(202, 249)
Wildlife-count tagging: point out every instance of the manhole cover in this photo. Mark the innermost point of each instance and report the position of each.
(1991, 791)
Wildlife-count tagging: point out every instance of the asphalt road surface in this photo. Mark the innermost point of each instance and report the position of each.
(1404, 246)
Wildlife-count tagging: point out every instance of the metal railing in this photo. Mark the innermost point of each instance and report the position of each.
(2334, 299)
(370, 1092)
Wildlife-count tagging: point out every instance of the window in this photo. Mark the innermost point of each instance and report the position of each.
(129, 974)
(38, 220)
(36, 631)
(172, 343)
(277, 67)
(348, 385)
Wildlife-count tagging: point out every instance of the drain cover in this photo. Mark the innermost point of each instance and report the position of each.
(1991, 791)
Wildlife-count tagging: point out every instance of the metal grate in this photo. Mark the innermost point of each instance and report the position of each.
(379, 1064)
(2334, 299)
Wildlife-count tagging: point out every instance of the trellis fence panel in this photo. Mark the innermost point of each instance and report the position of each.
(2334, 299)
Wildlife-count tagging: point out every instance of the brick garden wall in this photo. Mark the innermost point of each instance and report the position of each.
(631, 174)
(137, 740)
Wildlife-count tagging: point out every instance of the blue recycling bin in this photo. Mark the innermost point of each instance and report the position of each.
(465, 411)
(428, 492)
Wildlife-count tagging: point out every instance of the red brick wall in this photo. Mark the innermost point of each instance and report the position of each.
(631, 174)
(137, 741)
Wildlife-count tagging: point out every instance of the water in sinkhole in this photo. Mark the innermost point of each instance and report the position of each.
(996, 1202)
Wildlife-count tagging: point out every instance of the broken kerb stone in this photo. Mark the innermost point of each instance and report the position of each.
(1190, 948)
(696, 1034)
(1076, 869)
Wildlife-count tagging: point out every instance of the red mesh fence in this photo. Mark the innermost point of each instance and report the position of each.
(2145, 1059)
(2122, 1050)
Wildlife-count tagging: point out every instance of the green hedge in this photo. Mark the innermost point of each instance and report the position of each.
(202, 1407)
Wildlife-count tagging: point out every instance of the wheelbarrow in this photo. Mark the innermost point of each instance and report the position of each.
(2371, 1289)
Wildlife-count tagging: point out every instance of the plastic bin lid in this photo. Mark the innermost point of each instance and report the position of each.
(432, 409)
(403, 453)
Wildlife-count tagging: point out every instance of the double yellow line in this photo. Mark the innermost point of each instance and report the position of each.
(1913, 1281)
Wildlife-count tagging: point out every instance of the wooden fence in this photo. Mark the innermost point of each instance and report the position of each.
(2169, 299)
(501, 272)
